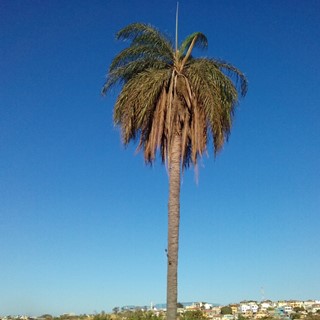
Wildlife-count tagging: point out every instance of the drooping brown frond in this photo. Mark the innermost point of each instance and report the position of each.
(216, 95)
(136, 102)
(157, 127)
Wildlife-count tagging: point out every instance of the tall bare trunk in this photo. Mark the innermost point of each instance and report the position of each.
(173, 227)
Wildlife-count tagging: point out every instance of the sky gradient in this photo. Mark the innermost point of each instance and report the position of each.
(83, 221)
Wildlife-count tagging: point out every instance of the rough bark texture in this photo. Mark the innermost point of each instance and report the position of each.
(173, 227)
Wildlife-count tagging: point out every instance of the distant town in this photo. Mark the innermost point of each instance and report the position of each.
(244, 310)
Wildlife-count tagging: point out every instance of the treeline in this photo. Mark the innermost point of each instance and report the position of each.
(189, 315)
(151, 315)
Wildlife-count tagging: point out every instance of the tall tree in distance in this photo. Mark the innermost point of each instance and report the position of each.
(172, 102)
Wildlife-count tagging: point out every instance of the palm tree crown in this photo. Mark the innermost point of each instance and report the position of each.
(167, 92)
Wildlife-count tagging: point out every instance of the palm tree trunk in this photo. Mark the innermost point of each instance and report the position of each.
(173, 227)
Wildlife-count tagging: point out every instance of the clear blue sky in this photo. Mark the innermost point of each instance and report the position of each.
(83, 222)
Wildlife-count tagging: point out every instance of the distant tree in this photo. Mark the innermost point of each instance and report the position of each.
(268, 318)
(68, 317)
(139, 315)
(312, 316)
(102, 316)
(115, 310)
(46, 316)
(179, 305)
(226, 310)
(193, 315)
(295, 316)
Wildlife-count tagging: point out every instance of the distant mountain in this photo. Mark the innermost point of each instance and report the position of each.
(161, 306)
(185, 304)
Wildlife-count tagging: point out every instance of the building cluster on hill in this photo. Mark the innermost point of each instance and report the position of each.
(265, 310)
(244, 310)
(291, 309)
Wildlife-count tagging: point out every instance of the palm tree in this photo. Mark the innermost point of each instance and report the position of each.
(172, 102)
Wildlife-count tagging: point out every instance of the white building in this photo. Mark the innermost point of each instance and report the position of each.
(287, 309)
(244, 308)
(248, 307)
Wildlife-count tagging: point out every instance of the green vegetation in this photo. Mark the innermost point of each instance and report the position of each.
(115, 310)
(138, 315)
(193, 315)
(313, 316)
(269, 318)
(102, 316)
(226, 310)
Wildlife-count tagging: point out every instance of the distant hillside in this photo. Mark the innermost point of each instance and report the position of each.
(185, 304)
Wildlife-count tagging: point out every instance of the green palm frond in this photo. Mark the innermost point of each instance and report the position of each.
(131, 31)
(148, 48)
(122, 74)
(139, 52)
(236, 73)
(200, 41)
(144, 34)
